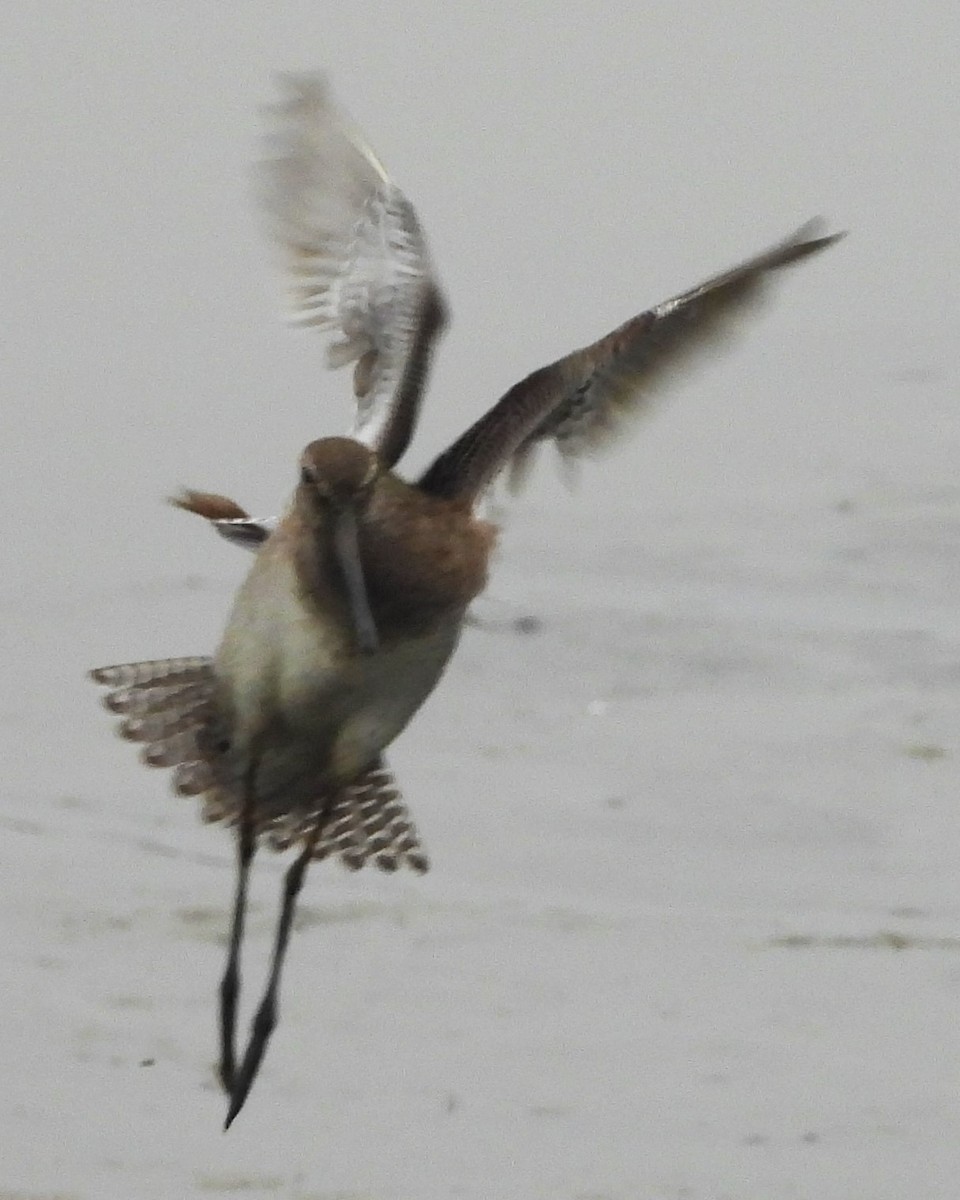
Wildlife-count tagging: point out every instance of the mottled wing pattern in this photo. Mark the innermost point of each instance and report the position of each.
(357, 259)
(583, 400)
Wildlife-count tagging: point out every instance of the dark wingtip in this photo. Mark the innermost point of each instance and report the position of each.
(828, 239)
(238, 1098)
(808, 239)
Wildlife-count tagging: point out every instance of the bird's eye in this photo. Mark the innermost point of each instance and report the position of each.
(305, 476)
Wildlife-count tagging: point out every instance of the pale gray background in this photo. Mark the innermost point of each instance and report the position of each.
(738, 724)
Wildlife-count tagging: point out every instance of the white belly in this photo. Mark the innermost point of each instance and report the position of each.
(387, 689)
(303, 701)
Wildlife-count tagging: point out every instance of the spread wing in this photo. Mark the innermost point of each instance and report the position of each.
(356, 257)
(584, 400)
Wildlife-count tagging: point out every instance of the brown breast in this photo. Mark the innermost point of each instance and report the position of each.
(424, 558)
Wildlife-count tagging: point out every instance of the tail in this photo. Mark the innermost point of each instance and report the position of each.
(368, 820)
(169, 705)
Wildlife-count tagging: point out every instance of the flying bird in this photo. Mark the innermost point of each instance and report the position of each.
(357, 595)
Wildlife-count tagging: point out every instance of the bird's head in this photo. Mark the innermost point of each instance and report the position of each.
(337, 478)
(337, 472)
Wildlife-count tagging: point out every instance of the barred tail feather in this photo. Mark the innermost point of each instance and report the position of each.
(367, 821)
(194, 778)
(154, 672)
(167, 705)
(139, 702)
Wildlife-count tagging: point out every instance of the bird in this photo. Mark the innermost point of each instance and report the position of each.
(358, 593)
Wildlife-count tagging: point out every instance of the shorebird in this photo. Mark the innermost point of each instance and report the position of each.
(357, 595)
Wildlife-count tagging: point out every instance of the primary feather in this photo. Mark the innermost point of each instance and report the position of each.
(585, 399)
(356, 257)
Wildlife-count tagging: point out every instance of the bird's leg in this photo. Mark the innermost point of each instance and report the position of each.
(266, 1016)
(230, 984)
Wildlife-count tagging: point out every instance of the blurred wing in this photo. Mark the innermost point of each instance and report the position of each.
(357, 259)
(227, 517)
(250, 532)
(583, 400)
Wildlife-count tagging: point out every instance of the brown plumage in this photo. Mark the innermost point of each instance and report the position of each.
(357, 596)
(209, 505)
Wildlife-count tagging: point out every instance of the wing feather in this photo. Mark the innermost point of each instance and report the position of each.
(232, 522)
(356, 257)
(584, 400)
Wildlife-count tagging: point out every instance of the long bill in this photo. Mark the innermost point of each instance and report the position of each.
(347, 547)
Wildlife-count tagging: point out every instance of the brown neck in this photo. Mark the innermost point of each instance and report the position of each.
(424, 560)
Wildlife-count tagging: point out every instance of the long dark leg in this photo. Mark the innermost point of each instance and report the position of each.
(230, 984)
(266, 1015)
